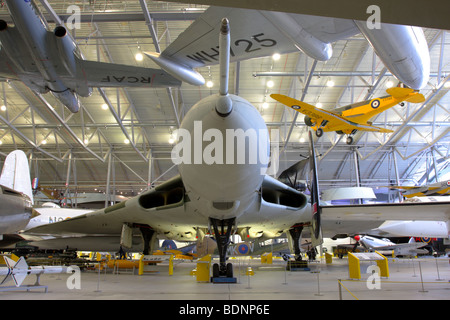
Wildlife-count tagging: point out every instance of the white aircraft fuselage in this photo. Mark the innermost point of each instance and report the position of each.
(49, 52)
(226, 187)
(50, 61)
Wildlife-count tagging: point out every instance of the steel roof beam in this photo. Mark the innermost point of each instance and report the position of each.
(66, 126)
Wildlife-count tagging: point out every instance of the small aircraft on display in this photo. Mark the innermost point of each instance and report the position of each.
(48, 61)
(223, 189)
(351, 118)
(257, 33)
(438, 189)
(412, 248)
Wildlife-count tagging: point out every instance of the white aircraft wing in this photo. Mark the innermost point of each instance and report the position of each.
(253, 35)
(356, 218)
(403, 246)
(101, 74)
(168, 210)
(22, 63)
(165, 208)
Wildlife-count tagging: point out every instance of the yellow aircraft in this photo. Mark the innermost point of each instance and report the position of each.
(351, 118)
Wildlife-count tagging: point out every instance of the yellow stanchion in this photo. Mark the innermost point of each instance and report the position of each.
(383, 265)
(354, 271)
(171, 265)
(267, 258)
(328, 258)
(203, 269)
(249, 272)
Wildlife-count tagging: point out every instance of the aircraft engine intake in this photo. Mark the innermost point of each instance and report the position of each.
(288, 198)
(156, 199)
(60, 31)
(3, 25)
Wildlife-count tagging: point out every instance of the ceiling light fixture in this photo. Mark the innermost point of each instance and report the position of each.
(139, 57)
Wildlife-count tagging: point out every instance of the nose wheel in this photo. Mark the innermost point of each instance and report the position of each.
(349, 140)
(222, 271)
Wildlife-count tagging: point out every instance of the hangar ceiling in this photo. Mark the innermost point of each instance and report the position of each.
(88, 150)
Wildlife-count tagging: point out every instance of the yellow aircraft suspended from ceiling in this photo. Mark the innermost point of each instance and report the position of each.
(351, 118)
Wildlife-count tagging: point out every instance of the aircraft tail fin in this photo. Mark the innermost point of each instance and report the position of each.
(16, 173)
(316, 228)
(17, 270)
(416, 98)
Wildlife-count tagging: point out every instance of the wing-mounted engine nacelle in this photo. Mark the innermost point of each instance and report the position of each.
(303, 40)
(308, 121)
(65, 48)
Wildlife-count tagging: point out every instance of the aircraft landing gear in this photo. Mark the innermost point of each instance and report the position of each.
(319, 132)
(349, 140)
(296, 233)
(298, 263)
(222, 272)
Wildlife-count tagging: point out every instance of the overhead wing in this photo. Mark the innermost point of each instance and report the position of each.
(100, 74)
(254, 34)
(335, 122)
(419, 14)
(349, 218)
(15, 59)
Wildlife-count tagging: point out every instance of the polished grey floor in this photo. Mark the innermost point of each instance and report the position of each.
(408, 280)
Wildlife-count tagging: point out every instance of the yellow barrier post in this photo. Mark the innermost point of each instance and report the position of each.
(141, 265)
(354, 271)
(171, 265)
(383, 265)
(203, 268)
(328, 258)
(267, 258)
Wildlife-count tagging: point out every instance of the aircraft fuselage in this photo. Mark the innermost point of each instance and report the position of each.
(229, 157)
(51, 54)
(15, 210)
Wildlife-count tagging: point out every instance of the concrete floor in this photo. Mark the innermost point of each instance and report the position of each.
(270, 282)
